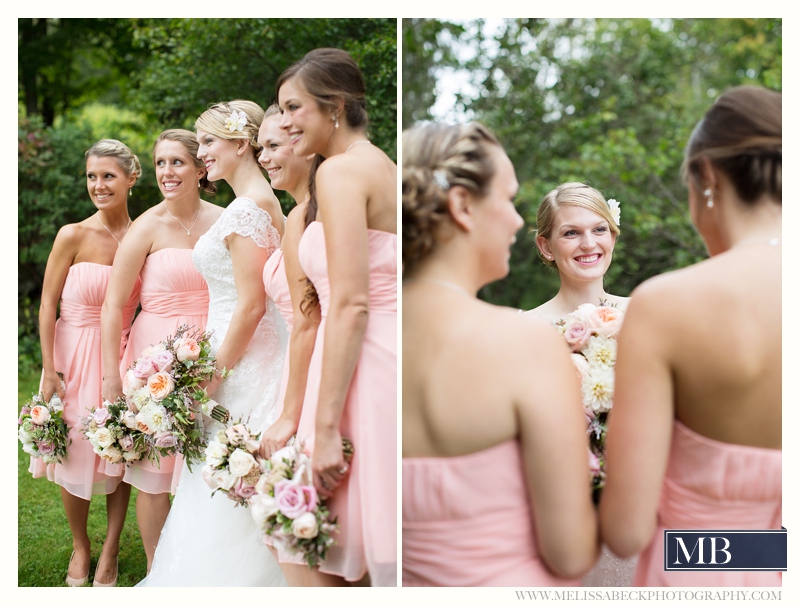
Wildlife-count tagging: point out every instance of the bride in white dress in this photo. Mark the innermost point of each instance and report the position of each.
(207, 541)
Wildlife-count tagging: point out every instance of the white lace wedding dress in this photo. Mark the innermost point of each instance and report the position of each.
(207, 541)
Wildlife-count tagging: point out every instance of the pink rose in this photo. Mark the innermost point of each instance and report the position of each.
(131, 382)
(577, 334)
(608, 321)
(160, 385)
(40, 414)
(293, 500)
(243, 490)
(46, 447)
(165, 439)
(162, 361)
(144, 368)
(126, 443)
(100, 416)
(187, 349)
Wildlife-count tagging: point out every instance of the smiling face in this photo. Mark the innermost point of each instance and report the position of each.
(310, 127)
(176, 171)
(286, 171)
(497, 218)
(581, 243)
(219, 155)
(107, 182)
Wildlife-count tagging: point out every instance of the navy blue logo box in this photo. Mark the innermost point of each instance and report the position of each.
(725, 550)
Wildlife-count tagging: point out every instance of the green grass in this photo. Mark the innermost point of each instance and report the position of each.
(44, 541)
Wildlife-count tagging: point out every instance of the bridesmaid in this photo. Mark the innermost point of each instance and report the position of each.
(496, 485)
(76, 276)
(350, 255)
(159, 249)
(695, 438)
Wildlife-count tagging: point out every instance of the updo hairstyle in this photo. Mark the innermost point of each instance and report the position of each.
(437, 157)
(330, 74)
(741, 135)
(112, 148)
(213, 121)
(570, 194)
(189, 141)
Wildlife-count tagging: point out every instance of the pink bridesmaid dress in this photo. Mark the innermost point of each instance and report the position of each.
(77, 355)
(276, 286)
(173, 294)
(366, 501)
(713, 485)
(467, 521)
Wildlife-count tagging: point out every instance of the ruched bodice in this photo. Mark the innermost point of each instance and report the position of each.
(277, 286)
(467, 521)
(181, 290)
(83, 295)
(382, 268)
(709, 484)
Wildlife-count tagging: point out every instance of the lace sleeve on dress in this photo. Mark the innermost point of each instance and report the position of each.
(245, 218)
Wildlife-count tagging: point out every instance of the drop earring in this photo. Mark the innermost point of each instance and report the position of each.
(335, 119)
(710, 202)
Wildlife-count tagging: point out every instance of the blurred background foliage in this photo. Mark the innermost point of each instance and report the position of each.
(81, 80)
(611, 102)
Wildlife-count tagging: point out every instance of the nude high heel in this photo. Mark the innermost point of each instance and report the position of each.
(112, 583)
(75, 582)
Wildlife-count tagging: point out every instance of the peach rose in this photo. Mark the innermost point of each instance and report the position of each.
(160, 385)
(40, 414)
(187, 349)
(608, 321)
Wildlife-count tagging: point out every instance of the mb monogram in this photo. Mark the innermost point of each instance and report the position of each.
(737, 550)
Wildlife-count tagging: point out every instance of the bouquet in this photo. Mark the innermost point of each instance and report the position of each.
(112, 431)
(287, 508)
(42, 430)
(162, 399)
(232, 464)
(591, 333)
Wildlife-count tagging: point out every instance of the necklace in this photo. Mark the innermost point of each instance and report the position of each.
(355, 143)
(189, 228)
(441, 282)
(109, 230)
(772, 241)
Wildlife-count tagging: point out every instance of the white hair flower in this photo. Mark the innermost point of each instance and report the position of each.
(236, 121)
(613, 208)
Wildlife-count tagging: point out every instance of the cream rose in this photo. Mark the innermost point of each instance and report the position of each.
(160, 385)
(103, 437)
(131, 382)
(187, 349)
(289, 452)
(112, 454)
(262, 507)
(240, 463)
(224, 479)
(129, 419)
(215, 454)
(305, 526)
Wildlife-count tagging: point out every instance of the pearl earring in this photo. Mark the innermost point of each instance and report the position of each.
(335, 119)
(710, 202)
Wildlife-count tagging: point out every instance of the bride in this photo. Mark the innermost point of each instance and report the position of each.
(576, 232)
(206, 541)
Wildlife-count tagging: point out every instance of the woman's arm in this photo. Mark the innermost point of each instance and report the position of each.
(303, 336)
(65, 248)
(128, 263)
(552, 430)
(343, 209)
(639, 427)
(248, 265)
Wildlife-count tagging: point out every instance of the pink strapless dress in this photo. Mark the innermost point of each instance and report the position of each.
(713, 485)
(173, 293)
(467, 521)
(366, 501)
(276, 286)
(77, 354)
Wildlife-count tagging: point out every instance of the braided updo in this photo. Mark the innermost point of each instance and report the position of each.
(741, 134)
(437, 157)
